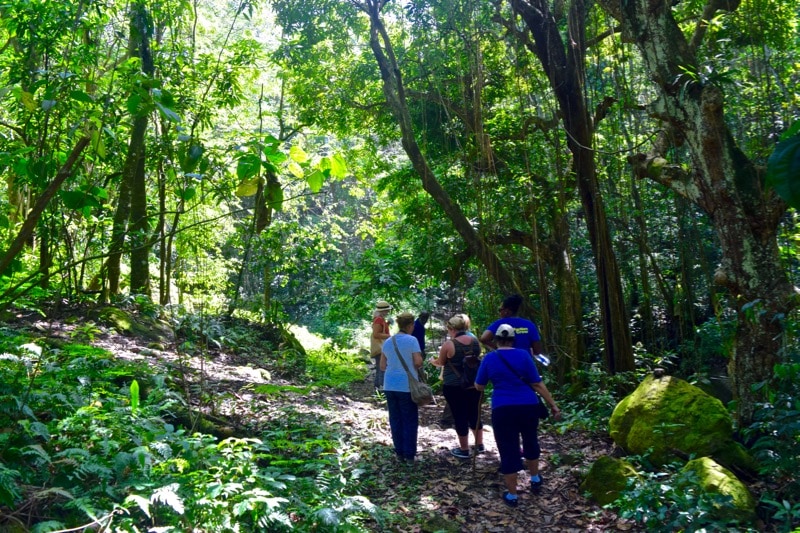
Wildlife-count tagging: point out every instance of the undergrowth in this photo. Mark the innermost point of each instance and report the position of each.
(87, 441)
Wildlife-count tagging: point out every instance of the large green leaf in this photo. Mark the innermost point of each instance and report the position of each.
(315, 180)
(298, 154)
(139, 104)
(783, 170)
(248, 187)
(192, 157)
(336, 166)
(248, 166)
(81, 96)
(77, 199)
(168, 113)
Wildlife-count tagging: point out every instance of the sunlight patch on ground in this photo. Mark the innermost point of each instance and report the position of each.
(310, 341)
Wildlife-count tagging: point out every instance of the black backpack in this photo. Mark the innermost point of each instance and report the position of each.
(467, 370)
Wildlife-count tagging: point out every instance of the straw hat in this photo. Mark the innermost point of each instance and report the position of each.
(383, 305)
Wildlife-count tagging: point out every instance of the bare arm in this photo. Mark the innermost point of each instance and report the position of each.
(537, 347)
(447, 351)
(383, 362)
(487, 338)
(541, 388)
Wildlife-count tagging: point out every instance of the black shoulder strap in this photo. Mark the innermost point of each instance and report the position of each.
(513, 370)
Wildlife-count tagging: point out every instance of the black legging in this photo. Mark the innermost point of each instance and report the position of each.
(465, 408)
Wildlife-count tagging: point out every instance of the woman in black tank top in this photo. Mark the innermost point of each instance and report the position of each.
(464, 402)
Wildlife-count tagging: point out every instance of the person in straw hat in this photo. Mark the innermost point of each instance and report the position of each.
(380, 332)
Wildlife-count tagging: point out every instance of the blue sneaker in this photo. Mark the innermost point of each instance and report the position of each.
(536, 486)
(461, 454)
(510, 500)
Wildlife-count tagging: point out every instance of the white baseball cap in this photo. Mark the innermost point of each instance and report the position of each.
(505, 331)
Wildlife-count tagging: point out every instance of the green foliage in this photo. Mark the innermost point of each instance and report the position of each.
(334, 367)
(83, 437)
(783, 170)
(710, 349)
(776, 447)
(588, 402)
(85, 332)
(671, 500)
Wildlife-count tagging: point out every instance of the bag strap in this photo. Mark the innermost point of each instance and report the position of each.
(514, 371)
(402, 361)
(453, 368)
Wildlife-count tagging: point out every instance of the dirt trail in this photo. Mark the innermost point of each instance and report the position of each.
(438, 492)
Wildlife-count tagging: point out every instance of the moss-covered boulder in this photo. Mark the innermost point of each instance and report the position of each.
(607, 478)
(136, 325)
(716, 479)
(667, 417)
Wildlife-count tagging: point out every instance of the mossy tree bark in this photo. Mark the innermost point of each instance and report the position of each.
(724, 183)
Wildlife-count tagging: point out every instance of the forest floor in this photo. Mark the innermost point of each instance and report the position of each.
(436, 493)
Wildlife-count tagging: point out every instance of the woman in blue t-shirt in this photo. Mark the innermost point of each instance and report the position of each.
(526, 333)
(515, 384)
(403, 412)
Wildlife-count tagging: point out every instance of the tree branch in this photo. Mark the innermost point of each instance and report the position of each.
(33, 217)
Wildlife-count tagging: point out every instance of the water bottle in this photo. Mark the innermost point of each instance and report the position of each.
(543, 359)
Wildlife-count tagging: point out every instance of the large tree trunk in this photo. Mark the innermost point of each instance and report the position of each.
(571, 340)
(724, 183)
(645, 303)
(139, 226)
(118, 230)
(394, 91)
(564, 68)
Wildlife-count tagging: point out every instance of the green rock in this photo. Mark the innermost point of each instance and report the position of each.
(716, 479)
(667, 417)
(126, 323)
(607, 478)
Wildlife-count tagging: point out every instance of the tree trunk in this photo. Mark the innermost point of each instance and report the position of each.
(135, 164)
(645, 304)
(564, 68)
(724, 183)
(394, 92)
(26, 231)
(138, 227)
(571, 340)
(117, 244)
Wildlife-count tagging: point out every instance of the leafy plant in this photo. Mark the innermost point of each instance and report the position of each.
(334, 367)
(671, 500)
(783, 167)
(589, 401)
(85, 332)
(776, 435)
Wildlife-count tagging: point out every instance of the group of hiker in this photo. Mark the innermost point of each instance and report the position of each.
(510, 366)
